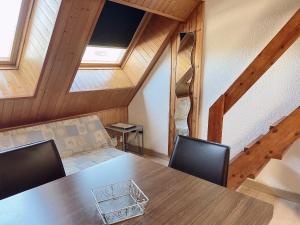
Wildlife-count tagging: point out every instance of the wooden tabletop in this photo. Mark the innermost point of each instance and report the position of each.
(175, 198)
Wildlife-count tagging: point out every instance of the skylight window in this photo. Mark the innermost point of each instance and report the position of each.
(103, 55)
(13, 14)
(112, 36)
(9, 15)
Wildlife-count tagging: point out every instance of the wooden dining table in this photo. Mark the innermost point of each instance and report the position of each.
(175, 198)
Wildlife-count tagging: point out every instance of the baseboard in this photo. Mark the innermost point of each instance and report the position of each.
(156, 154)
(149, 152)
(252, 184)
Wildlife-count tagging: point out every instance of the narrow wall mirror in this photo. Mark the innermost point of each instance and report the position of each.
(184, 82)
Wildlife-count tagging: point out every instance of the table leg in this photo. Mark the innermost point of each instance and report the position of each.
(142, 150)
(124, 142)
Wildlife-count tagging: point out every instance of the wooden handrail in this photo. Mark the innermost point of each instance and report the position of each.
(265, 59)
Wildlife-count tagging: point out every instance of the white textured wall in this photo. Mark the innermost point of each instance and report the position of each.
(292, 156)
(150, 106)
(236, 31)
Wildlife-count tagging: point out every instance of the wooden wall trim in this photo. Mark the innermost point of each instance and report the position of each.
(265, 59)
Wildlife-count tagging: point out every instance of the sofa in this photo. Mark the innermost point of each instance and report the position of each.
(82, 142)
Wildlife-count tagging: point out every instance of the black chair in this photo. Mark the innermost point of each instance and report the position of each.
(202, 159)
(29, 166)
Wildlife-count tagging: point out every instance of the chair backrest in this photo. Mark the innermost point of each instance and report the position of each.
(29, 166)
(202, 159)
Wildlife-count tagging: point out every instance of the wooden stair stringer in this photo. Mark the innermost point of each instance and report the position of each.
(271, 145)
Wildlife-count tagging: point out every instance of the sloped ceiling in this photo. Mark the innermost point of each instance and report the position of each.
(174, 9)
(50, 93)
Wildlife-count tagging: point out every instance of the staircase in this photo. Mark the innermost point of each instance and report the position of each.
(280, 178)
(271, 145)
(281, 134)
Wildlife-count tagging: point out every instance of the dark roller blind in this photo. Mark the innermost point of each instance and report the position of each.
(116, 25)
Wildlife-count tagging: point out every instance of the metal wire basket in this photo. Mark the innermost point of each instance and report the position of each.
(120, 201)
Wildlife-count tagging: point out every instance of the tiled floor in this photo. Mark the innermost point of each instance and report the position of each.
(161, 161)
(85, 160)
(285, 212)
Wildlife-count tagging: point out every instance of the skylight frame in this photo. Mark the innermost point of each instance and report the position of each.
(19, 37)
(144, 22)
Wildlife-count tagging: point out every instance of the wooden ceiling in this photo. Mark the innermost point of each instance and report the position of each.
(174, 9)
(59, 31)
(23, 82)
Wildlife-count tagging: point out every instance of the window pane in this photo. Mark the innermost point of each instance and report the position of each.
(9, 14)
(103, 55)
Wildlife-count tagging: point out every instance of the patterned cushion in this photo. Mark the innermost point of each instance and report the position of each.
(71, 136)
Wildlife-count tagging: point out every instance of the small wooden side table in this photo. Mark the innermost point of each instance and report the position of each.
(138, 129)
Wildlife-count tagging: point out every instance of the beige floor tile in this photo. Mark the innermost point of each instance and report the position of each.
(285, 212)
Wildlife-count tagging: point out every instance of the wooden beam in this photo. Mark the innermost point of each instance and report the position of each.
(272, 145)
(174, 9)
(215, 121)
(265, 59)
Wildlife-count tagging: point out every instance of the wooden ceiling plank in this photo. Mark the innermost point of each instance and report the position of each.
(176, 9)
(79, 27)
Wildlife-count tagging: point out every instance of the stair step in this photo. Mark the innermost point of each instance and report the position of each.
(277, 122)
(255, 141)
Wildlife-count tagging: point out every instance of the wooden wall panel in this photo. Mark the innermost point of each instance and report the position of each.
(88, 80)
(114, 115)
(174, 9)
